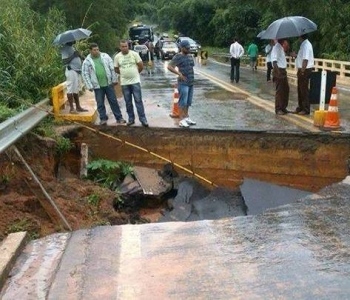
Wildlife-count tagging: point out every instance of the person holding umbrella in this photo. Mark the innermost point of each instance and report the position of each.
(279, 63)
(304, 63)
(72, 60)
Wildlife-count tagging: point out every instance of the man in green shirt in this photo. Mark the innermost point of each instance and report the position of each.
(253, 55)
(99, 76)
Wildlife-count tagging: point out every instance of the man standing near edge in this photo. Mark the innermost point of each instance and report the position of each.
(184, 62)
(99, 76)
(72, 59)
(236, 52)
(128, 64)
(304, 63)
(279, 63)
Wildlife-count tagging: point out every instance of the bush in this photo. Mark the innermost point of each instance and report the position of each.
(108, 173)
(30, 66)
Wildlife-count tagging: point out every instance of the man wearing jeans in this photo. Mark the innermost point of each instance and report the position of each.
(99, 76)
(182, 65)
(129, 65)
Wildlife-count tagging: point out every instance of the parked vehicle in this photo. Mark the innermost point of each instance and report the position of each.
(141, 33)
(143, 51)
(159, 45)
(194, 49)
(168, 50)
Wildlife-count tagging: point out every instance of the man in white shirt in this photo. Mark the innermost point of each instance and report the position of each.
(128, 64)
(236, 52)
(304, 63)
(279, 63)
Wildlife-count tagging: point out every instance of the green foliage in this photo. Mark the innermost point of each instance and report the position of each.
(5, 112)
(24, 224)
(217, 22)
(94, 199)
(7, 173)
(108, 173)
(29, 64)
(63, 145)
(118, 201)
(46, 128)
(108, 19)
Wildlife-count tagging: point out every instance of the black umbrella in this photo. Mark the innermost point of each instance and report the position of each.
(71, 36)
(288, 27)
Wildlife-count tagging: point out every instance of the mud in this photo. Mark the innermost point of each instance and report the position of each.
(83, 203)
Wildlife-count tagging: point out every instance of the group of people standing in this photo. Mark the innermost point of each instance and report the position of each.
(276, 63)
(99, 72)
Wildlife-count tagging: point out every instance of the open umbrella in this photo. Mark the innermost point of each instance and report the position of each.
(71, 36)
(260, 34)
(289, 27)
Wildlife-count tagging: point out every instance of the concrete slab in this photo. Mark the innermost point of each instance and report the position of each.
(10, 249)
(151, 182)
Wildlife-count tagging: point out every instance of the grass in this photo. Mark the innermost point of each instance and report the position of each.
(24, 224)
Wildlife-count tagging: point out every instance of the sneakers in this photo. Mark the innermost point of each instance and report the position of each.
(183, 123)
(121, 121)
(144, 124)
(103, 122)
(80, 109)
(130, 123)
(190, 122)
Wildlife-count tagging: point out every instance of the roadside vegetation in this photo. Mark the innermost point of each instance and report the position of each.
(217, 22)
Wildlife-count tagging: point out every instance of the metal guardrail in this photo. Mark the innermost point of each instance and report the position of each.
(16, 127)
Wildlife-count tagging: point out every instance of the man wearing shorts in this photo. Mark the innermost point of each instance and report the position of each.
(72, 60)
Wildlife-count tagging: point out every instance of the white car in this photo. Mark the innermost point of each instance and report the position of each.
(143, 51)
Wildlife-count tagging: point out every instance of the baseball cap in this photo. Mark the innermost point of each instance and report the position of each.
(185, 44)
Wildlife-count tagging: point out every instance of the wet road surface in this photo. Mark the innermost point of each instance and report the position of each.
(222, 105)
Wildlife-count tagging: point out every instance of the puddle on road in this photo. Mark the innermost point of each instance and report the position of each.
(224, 95)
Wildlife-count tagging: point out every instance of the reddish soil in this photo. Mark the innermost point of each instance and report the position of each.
(20, 208)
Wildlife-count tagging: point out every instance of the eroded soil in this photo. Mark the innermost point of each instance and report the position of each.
(83, 203)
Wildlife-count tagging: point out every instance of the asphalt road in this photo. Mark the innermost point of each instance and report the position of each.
(219, 104)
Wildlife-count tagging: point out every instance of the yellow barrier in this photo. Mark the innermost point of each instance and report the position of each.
(59, 100)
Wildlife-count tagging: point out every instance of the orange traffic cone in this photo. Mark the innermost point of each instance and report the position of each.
(332, 117)
(175, 109)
